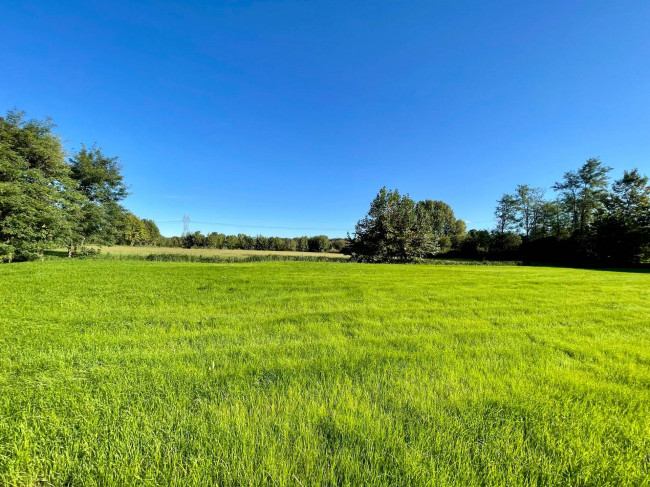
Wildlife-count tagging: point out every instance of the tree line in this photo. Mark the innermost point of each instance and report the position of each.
(138, 232)
(216, 240)
(49, 198)
(587, 222)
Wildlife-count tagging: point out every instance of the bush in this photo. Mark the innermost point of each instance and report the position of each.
(7, 252)
(337, 244)
(319, 243)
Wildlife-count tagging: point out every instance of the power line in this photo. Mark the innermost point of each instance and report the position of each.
(271, 227)
(186, 221)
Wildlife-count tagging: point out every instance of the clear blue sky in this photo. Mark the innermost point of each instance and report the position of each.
(294, 114)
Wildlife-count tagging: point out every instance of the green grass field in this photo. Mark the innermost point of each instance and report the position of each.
(307, 373)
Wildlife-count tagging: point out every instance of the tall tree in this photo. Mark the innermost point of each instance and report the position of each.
(583, 193)
(528, 202)
(438, 218)
(552, 221)
(623, 230)
(100, 180)
(394, 230)
(505, 213)
(36, 191)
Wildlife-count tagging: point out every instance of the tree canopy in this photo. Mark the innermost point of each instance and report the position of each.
(397, 229)
(49, 198)
(46, 200)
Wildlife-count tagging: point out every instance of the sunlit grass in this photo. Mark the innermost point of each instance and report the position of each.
(301, 373)
(147, 250)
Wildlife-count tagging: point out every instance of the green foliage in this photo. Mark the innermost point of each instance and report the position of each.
(583, 193)
(319, 243)
(290, 373)
(46, 201)
(99, 177)
(396, 229)
(215, 240)
(588, 224)
(623, 231)
(337, 244)
(302, 244)
(505, 213)
(102, 219)
(37, 204)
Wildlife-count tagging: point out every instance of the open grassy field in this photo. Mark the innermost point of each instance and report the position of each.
(147, 250)
(305, 373)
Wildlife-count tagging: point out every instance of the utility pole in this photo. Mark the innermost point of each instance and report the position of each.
(186, 225)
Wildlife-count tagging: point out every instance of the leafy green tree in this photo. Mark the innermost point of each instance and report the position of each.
(528, 205)
(623, 231)
(245, 242)
(552, 220)
(394, 230)
(232, 242)
(276, 244)
(337, 244)
(261, 243)
(290, 244)
(459, 234)
(100, 180)
(36, 191)
(195, 240)
(319, 243)
(505, 213)
(152, 232)
(476, 243)
(505, 244)
(302, 244)
(216, 240)
(134, 230)
(439, 225)
(583, 193)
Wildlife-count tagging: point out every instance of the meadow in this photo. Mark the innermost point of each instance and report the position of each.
(322, 373)
(145, 250)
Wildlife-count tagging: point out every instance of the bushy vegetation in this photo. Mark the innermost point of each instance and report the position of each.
(216, 240)
(49, 199)
(588, 222)
(300, 373)
(397, 229)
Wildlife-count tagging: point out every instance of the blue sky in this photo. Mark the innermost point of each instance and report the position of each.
(294, 114)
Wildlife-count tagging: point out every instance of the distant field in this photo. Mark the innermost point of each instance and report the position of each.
(307, 373)
(146, 250)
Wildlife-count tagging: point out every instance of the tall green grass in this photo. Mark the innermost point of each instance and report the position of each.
(309, 373)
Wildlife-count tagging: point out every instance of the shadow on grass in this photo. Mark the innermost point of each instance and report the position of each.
(56, 253)
(637, 269)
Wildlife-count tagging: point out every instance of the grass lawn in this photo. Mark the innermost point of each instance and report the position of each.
(308, 373)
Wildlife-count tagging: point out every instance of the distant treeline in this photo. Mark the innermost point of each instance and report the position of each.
(215, 240)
